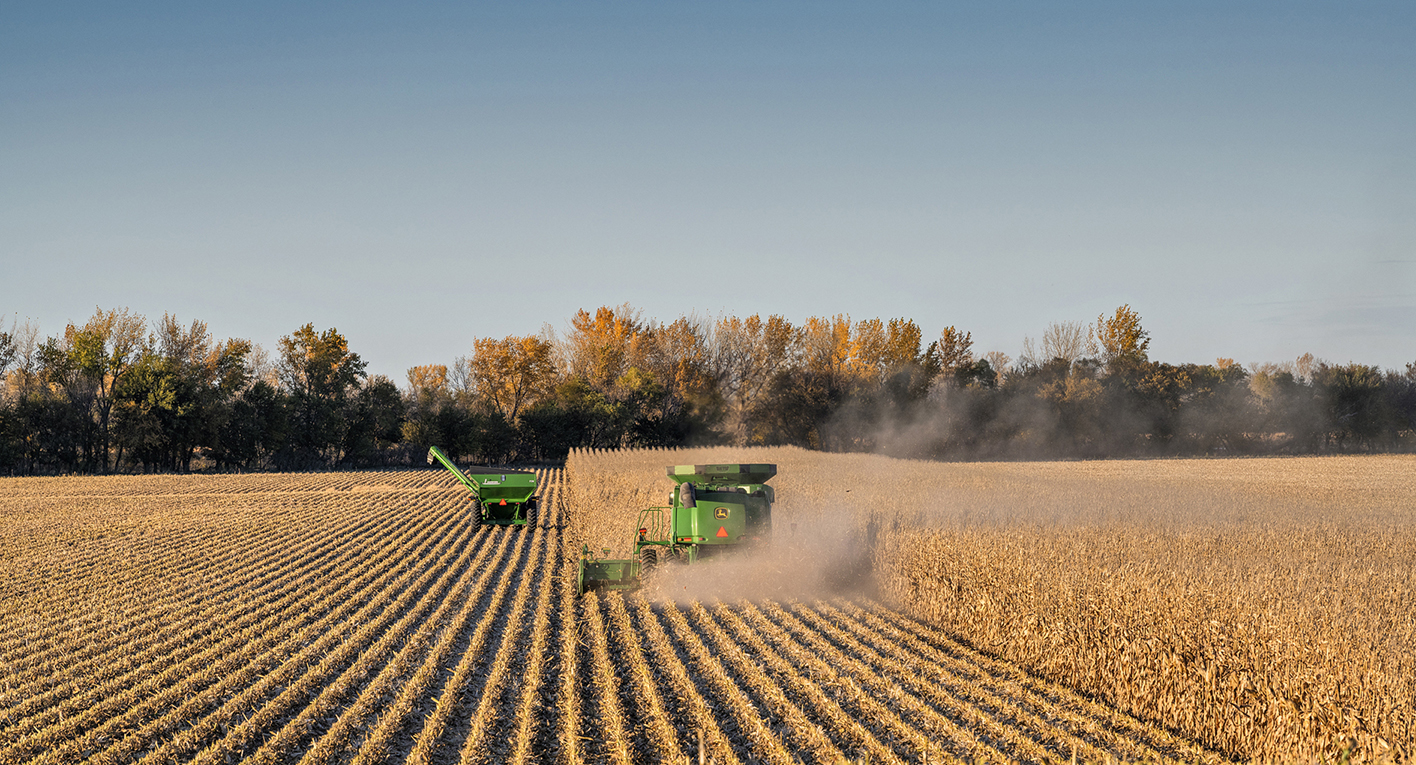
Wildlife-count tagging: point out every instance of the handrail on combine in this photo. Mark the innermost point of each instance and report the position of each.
(653, 524)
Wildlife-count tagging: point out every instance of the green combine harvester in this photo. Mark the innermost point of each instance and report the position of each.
(713, 509)
(503, 497)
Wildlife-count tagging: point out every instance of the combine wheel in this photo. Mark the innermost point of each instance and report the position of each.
(648, 561)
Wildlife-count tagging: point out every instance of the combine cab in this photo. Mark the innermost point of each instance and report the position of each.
(503, 497)
(713, 509)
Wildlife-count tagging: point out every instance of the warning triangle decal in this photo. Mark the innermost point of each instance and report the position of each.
(722, 531)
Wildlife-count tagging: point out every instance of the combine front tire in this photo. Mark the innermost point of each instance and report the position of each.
(648, 561)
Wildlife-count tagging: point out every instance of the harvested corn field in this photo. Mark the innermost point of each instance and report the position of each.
(363, 617)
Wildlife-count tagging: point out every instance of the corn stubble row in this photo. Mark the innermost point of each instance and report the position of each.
(1264, 609)
(317, 618)
(362, 617)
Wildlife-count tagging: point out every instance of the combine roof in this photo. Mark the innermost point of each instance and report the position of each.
(737, 472)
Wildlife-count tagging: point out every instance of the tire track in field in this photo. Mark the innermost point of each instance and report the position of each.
(535, 713)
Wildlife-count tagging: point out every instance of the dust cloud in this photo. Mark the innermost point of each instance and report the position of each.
(826, 559)
(1077, 410)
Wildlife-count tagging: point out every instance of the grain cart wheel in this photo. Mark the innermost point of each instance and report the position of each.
(531, 512)
(648, 561)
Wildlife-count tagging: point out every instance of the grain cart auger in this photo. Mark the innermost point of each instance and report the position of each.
(502, 497)
(713, 509)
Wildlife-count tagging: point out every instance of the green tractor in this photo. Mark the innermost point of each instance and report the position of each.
(502, 497)
(713, 509)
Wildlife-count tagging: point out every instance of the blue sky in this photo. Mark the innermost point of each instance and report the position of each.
(1244, 175)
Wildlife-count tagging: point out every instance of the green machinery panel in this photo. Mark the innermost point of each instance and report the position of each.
(712, 508)
(722, 504)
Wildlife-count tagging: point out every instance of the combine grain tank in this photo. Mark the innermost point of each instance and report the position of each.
(713, 509)
(503, 497)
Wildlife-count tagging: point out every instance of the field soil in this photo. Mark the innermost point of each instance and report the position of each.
(365, 617)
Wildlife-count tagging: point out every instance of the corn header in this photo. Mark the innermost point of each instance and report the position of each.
(712, 509)
(502, 497)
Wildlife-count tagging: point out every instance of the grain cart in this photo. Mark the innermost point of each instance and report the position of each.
(713, 509)
(503, 497)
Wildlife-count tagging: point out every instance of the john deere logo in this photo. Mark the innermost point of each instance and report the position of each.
(720, 513)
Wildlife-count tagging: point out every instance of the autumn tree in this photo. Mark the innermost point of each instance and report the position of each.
(210, 374)
(428, 394)
(427, 382)
(670, 387)
(868, 344)
(745, 355)
(598, 348)
(1075, 398)
(28, 397)
(1160, 393)
(1305, 366)
(320, 373)
(952, 351)
(1401, 398)
(59, 413)
(373, 422)
(1121, 338)
(825, 347)
(905, 367)
(879, 349)
(7, 354)
(508, 374)
(1280, 403)
(102, 351)
(1357, 410)
(650, 383)
(1067, 341)
(179, 395)
(1216, 407)
(258, 428)
(803, 395)
(9, 446)
(24, 373)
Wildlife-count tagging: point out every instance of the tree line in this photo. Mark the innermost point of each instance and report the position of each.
(122, 394)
